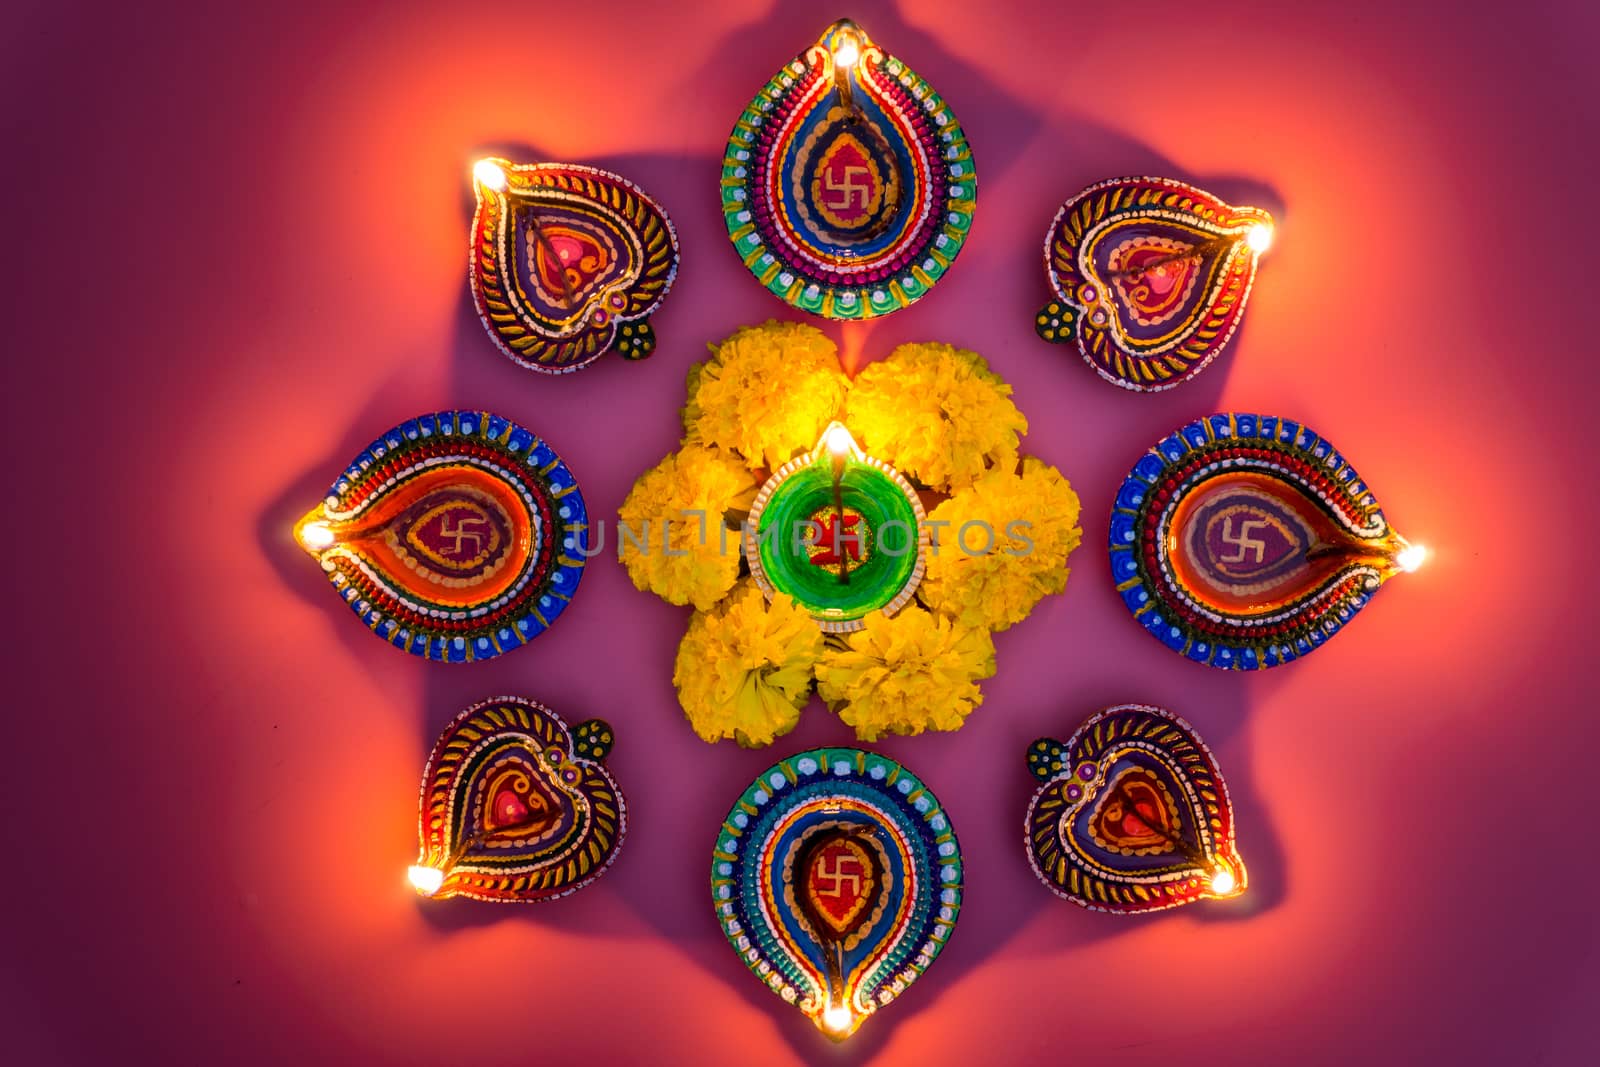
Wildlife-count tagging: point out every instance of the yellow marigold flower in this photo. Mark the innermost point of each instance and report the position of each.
(766, 392)
(744, 669)
(936, 413)
(1019, 530)
(907, 673)
(672, 536)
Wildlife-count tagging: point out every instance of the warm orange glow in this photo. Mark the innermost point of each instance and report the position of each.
(426, 880)
(316, 536)
(846, 53)
(1223, 882)
(838, 440)
(1259, 237)
(1411, 557)
(490, 175)
(1332, 336)
(837, 1018)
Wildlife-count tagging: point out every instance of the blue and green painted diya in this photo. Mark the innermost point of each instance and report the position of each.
(848, 185)
(840, 532)
(837, 878)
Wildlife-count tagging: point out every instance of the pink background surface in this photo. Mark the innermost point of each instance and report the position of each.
(236, 238)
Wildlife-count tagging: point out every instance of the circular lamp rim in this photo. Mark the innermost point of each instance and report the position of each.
(751, 539)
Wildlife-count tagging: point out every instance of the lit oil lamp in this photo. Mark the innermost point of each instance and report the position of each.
(1132, 815)
(1246, 541)
(455, 536)
(567, 263)
(517, 806)
(838, 879)
(1151, 277)
(839, 531)
(848, 186)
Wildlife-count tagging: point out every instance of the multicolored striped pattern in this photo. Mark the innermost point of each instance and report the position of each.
(516, 807)
(1132, 816)
(1151, 278)
(844, 213)
(1346, 552)
(404, 532)
(567, 263)
(894, 919)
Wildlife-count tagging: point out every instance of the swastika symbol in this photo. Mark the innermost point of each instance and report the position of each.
(840, 878)
(848, 187)
(834, 542)
(1242, 541)
(462, 534)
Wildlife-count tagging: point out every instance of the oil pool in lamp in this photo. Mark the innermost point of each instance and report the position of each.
(840, 532)
(1246, 541)
(517, 807)
(1131, 815)
(838, 879)
(848, 187)
(567, 263)
(1151, 278)
(455, 536)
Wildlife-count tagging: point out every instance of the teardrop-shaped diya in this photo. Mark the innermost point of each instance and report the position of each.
(837, 878)
(568, 262)
(516, 807)
(455, 536)
(1246, 541)
(1132, 815)
(1151, 278)
(848, 186)
(841, 532)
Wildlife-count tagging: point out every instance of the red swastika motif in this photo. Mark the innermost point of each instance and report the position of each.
(836, 541)
(840, 882)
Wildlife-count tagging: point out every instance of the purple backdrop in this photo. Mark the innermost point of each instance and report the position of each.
(236, 240)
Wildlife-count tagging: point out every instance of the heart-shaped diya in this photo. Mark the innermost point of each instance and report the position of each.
(1132, 815)
(1151, 278)
(1246, 541)
(848, 186)
(837, 878)
(516, 806)
(455, 536)
(567, 263)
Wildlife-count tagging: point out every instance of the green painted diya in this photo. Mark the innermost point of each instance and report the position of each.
(840, 532)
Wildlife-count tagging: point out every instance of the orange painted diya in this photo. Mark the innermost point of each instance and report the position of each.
(455, 536)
